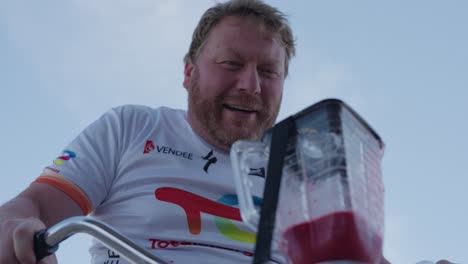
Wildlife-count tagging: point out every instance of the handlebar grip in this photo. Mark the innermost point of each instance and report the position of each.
(41, 248)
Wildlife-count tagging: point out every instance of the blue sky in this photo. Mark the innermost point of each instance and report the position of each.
(401, 64)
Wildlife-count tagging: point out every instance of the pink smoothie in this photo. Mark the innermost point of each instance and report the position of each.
(337, 236)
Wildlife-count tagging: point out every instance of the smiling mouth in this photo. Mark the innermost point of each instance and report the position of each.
(239, 109)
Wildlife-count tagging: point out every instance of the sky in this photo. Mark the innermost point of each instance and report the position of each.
(402, 65)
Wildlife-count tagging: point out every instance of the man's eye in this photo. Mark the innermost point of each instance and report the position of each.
(232, 64)
(268, 73)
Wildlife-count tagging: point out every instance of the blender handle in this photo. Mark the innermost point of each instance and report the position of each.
(241, 151)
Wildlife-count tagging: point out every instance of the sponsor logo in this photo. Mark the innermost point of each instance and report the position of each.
(53, 169)
(162, 244)
(260, 172)
(113, 257)
(149, 146)
(66, 156)
(209, 160)
(223, 210)
(227, 227)
(174, 152)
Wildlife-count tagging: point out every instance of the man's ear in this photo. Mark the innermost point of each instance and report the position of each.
(189, 67)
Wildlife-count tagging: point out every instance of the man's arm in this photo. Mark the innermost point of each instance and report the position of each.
(37, 207)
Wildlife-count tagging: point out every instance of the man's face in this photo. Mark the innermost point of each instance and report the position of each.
(235, 85)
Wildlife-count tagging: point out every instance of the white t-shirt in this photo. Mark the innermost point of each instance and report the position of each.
(146, 173)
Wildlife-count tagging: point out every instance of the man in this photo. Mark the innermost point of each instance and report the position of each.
(162, 176)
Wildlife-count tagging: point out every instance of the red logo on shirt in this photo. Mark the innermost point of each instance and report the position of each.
(149, 146)
(194, 205)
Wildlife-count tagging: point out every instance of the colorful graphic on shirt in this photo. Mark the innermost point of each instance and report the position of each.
(194, 205)
(222, 209)
(67, 155)
(227, 228)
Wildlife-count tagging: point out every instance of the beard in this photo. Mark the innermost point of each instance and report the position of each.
(207, 116)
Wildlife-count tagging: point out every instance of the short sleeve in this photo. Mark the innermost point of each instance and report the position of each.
(86, 167)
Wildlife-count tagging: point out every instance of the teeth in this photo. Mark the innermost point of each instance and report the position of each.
(238, 108)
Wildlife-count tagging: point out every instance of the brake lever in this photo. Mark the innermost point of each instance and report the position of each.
(41, 248)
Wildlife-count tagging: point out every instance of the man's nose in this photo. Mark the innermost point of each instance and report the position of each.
(249, 80)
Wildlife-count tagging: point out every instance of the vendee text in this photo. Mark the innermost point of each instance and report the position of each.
(171, 151)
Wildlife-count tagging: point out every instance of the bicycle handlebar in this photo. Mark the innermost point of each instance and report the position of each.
(46, 241)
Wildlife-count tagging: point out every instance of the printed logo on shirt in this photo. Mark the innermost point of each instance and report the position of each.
(113, 257)
(66, 156)
(149, 146)
(157, 243)
(227, 227)
(174, 152)
(260, 172)
(209, 160)
(223, 210)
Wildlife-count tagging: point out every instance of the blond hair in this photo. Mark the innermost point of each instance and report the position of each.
(269, 17)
